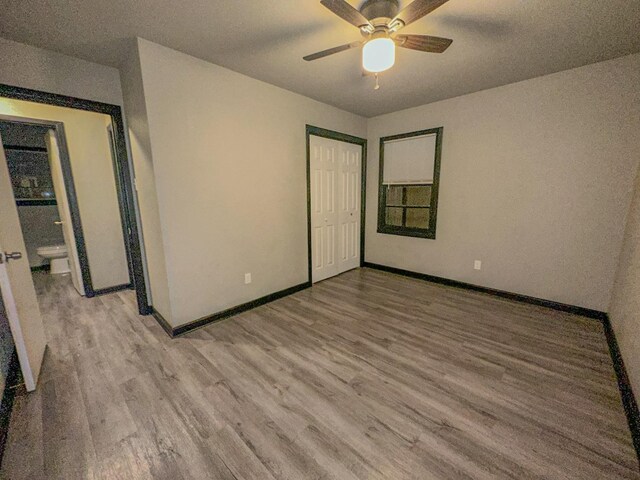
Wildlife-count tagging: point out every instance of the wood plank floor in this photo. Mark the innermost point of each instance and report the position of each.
(367, 375)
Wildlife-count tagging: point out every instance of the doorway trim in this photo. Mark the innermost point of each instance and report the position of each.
(341, 137)
(123, 184)
(122, 201)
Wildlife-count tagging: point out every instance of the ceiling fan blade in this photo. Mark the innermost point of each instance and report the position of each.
(416, 10)
(424, 43)
(346, 12)
(331, 51)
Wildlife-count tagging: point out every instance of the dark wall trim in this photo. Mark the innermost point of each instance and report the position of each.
(35, 202)
(628, 399)
(201, 322)
(563, 307)
(12, 381)
(124, 182)
(116, 288)
(166, 326)
(341, 137)
(41, 268)
(122, 201)
(25, 149)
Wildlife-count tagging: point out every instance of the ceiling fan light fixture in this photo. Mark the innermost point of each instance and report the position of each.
(378, 55)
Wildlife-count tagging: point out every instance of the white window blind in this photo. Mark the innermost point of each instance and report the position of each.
(409, 160)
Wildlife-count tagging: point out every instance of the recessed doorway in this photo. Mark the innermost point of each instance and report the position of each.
(80, 231)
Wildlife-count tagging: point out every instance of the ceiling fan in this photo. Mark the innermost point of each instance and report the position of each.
(379, 22)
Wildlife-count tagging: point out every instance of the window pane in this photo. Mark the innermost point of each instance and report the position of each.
(409, 160)
(394, 216)
(418, 217)
(394, 195)
(419, 195)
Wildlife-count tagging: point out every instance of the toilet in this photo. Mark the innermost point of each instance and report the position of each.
(57, 255)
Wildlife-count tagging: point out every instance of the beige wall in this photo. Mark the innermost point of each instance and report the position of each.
(536, 182)
(31, 67)
(93, 177)
(624, 311)
(136, 112)
(229, 160)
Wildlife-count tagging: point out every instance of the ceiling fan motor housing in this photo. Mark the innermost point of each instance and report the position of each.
(379, 22)
(379, 11)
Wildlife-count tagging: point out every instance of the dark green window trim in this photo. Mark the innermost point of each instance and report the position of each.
(429, 232)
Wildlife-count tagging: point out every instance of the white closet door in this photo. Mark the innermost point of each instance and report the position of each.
(335, 207)
(349, 207)
(324, 212)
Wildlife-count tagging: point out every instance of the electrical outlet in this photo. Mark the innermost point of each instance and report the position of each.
(247, 278)
(477, 265)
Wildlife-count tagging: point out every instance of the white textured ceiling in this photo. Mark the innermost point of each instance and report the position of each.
(495, 41)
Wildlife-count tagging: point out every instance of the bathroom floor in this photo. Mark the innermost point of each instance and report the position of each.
(365, 375)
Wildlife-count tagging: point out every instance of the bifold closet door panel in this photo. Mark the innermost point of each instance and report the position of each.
(324, 212)
(349, 192)
(335, 169)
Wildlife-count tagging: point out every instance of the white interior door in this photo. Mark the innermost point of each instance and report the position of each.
(335, 207)
(349, 206)
(63, 210)
(16, 285)
(324, 212)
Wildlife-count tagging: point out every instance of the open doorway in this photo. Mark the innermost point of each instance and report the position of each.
(68, 224)
(97, 176)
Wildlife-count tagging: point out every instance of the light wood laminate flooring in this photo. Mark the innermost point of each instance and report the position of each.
(367, 375)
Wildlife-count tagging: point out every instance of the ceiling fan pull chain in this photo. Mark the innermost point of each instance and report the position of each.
(377, 84)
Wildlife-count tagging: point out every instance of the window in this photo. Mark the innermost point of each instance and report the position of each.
(409, 178)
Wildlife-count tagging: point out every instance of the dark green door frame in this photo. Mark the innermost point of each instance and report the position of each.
(341, 137)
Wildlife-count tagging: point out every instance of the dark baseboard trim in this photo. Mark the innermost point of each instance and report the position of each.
(628, 398)
(563, 307)
(41, 268)
(22, 148)
(201, 322)
(12, 381)
(162, 321)
(115, 288)
(35, 202)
